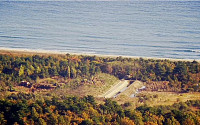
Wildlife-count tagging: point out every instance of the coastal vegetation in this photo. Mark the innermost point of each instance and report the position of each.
(58, 89)
(181, 76)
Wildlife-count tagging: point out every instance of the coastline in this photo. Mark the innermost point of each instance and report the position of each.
(14, 51)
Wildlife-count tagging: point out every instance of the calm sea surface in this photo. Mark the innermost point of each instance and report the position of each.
(146, 29)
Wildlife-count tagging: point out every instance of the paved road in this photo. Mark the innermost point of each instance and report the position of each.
(115, 89)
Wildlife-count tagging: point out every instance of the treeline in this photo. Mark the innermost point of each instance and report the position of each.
(180, 74)
(16, 109)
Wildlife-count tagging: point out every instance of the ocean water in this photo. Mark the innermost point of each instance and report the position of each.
(160, 29)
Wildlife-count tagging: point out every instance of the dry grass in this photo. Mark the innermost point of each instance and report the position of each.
(157, 98)
(169, 98)
(105, 81)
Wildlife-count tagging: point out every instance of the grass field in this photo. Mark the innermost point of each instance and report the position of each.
(99, 84)
(156, 98)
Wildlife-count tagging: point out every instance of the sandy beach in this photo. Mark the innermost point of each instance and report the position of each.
(13, 51)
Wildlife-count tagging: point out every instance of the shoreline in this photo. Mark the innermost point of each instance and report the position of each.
(49, 52)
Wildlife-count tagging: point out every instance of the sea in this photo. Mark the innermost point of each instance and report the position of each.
(160, 29)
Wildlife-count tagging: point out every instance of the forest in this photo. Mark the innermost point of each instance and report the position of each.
(20, 108)
(180, 74)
